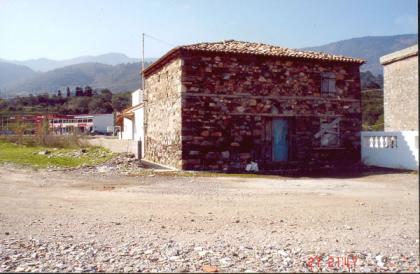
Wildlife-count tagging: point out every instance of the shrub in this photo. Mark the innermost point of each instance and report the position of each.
(48, 140)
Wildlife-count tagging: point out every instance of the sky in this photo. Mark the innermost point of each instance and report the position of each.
(61, 29)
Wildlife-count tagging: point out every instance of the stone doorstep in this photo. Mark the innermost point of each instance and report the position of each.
(156, 166)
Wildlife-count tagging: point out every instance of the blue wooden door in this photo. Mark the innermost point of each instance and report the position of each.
(280, 147)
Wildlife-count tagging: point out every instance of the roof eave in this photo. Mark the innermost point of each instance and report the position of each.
(349, 59)
(155, 65)
(170, 54)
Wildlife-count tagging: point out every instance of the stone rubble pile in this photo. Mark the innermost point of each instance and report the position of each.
(156, 255)
(122, 164)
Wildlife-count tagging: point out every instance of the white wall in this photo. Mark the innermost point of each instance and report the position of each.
(127, 130)
(136, 97)
(102, 121)
(116, 145)
(139, 127)
(391, 149)
(134, 129)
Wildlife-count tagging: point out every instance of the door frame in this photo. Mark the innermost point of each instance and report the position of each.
(288, 122)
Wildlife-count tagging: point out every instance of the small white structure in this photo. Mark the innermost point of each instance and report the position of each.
(102, 123)
(398, 146)
(131, 120)
(392, 149)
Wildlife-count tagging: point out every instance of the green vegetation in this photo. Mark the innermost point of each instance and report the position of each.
(372, 110)
(42, 136)
(370, 81)
(41, 156)
(85, 101)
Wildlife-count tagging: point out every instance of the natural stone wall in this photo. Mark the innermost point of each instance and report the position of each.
(401, 94)
(163, 115)
(229, 102)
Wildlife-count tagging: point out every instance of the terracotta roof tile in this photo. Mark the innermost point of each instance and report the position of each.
(240, 47)
(232, 46)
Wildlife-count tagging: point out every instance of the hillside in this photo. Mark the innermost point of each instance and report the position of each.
(44, 64)
(11, 73)
(369, 48)
(118, 78)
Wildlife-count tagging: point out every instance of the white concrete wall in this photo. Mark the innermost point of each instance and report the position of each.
(102, 121)
(139, 126)
(127, 130)
(391, 149)
(116, 145)
(136, 97)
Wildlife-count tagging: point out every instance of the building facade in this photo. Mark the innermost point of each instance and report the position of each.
(85, 123)
(131, 120)
(59, 123)
(219, 106)
(401, 89)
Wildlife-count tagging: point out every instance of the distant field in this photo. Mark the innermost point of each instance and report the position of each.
(55, 157)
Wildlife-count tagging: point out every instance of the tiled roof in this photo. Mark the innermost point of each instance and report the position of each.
(232, 46)
(239, 47)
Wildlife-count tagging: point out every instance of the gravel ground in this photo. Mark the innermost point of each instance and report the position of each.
(98, 221)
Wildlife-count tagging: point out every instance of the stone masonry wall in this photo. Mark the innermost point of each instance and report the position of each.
(401, 94)
(229, 101)
(163, 115)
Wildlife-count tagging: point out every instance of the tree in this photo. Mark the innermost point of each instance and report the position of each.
(88, 91)
(106, 94)
(100, 105)
(121, 101)
(44, 99)
(77, 105)
(79, 92)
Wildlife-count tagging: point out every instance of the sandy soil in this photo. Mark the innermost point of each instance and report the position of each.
(377, 214)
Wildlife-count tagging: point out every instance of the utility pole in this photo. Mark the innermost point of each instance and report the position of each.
(144, 98)
(142, 61)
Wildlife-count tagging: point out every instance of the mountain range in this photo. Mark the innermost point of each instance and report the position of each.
(117, 78)
(44, 64)
(369, 48)
(120, 73)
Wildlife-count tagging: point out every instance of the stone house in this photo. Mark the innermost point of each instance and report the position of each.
(219, 106)
(401, 89)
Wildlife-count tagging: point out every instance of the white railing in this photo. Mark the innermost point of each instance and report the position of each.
(380, 141)
(396, 149)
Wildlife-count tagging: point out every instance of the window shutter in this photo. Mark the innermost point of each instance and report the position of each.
(324, 85)
(331, 85)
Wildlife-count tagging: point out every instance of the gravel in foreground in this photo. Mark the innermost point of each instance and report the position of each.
(145, 255)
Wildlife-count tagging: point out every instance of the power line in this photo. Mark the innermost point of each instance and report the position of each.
(159, 40)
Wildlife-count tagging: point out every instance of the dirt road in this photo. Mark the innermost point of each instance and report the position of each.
(97, 222)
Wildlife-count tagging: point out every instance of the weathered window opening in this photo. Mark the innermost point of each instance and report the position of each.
(329, 132)
(328, 83)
